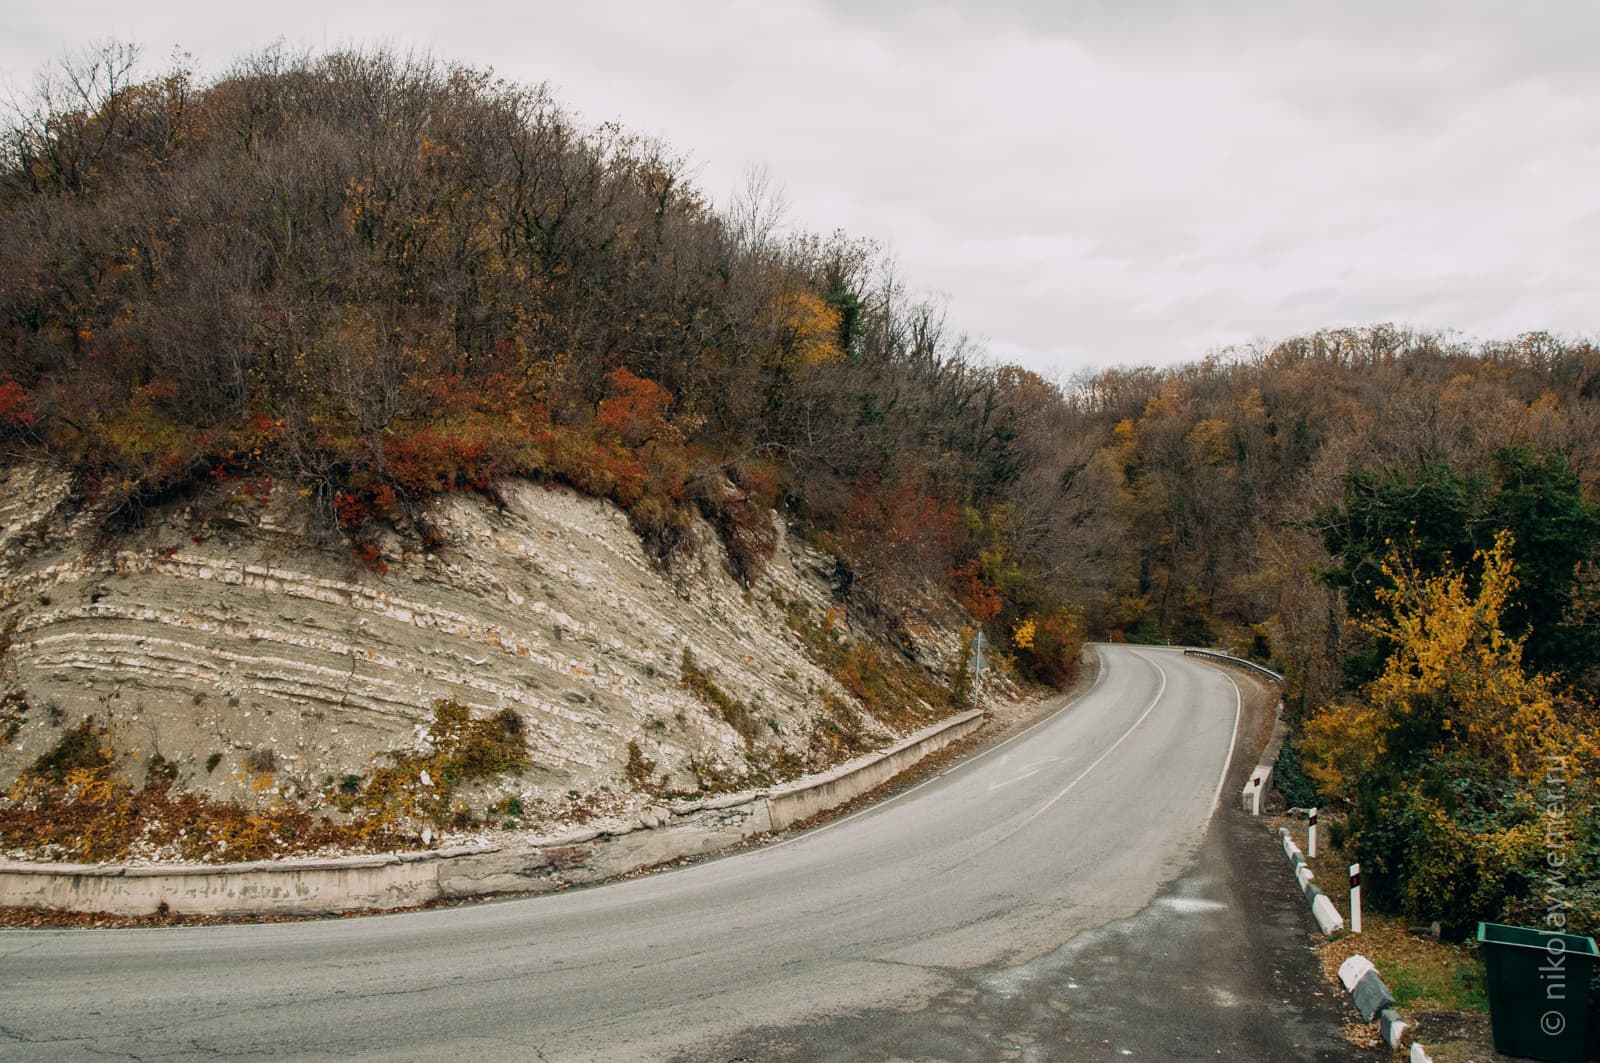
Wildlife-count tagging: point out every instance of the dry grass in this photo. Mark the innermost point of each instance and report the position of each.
(76, 802)
(890, 689)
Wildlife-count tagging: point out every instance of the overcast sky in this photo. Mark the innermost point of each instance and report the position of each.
(1086, 184)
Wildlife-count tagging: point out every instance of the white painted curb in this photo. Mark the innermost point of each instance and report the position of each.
(1353, 970)
(1329, 921)
(1327, 916)
(1358, 969)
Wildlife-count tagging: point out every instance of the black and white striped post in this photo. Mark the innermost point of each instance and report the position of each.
(1355, 898)
(1311, 837)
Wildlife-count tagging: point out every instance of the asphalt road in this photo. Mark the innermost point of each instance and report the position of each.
(996, 865)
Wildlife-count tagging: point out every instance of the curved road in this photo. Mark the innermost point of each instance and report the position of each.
(1066, 827)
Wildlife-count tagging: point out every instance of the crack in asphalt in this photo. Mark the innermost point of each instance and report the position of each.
(81, 1044)
(6, 955)
(18, 1036)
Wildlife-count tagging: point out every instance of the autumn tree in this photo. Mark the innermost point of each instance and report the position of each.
(1439, 518)
(1446, 752)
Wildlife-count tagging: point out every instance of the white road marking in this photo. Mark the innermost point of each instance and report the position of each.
(1238, 708)
(1027, 771)
(1002, 784)
(962, 766)
(1109, 749)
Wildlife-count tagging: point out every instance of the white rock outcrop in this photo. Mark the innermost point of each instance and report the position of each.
(226, 627)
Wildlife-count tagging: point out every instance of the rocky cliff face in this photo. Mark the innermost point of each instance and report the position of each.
(232, 637)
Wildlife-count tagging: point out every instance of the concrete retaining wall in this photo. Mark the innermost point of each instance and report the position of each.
(798, 800)
(393, 880)
(524, 865)
(1260, 781)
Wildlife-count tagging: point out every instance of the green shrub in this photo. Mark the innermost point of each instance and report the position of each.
(79, 748)
(1447, 843)
(1291, 780)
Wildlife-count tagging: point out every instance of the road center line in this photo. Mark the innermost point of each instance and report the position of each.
(1110, 749)
(965, 765)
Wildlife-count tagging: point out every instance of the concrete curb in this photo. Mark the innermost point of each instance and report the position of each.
(1329, 921)
(1373, 999)
(531, 864)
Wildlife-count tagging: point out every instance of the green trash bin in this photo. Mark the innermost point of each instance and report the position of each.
(1538, 991)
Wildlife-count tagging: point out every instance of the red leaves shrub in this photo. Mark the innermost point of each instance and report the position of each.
(468, 455)
(16, 410)
(900, 534)
(358, 508)
(602, 470)
(902, 515)
(370, 554)
(631, 455)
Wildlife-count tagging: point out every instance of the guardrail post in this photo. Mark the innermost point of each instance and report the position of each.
(1355, 898)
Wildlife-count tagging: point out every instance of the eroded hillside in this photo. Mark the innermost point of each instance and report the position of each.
(236, 645)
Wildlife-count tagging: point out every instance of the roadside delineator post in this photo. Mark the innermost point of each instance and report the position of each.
(1311, 837)
(979, 663)
(1355, 898)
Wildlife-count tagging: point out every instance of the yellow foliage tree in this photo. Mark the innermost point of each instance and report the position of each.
(1340, 743)
(1455, 678)
(1022, 635)
(1448, 754)
(810, 329)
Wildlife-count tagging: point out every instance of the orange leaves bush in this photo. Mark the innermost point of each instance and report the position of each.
(976, 593)
(1053, 646)
(636, 410)
(594, 467)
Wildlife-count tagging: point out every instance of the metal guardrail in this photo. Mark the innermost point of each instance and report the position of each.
(1240, 661)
